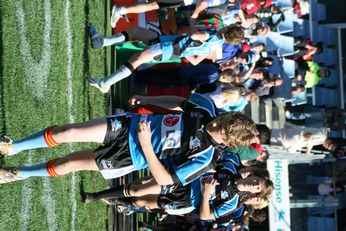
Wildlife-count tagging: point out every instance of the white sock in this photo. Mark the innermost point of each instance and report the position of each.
(118, 75)
(122, 10)
(115, 40)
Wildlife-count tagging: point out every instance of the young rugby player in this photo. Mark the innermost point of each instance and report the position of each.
(194, 48)
(178, 147)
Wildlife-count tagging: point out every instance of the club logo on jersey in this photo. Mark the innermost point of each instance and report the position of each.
(195, 143)
(171, 131)
(171, 120)
(224, 194)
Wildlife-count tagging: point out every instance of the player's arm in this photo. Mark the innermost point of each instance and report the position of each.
(194, 60)
(159, 172)
(200, 36)
(202, 5)
(167, 101)
(205, 212)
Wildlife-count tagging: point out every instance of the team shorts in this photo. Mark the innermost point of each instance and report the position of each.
(176, 202)
(156, 51)
(114, 158)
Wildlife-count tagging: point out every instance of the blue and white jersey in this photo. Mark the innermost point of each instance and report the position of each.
(179, 140)
(196, 193)
(184, 46)
(210, 3)
(227, 199)
(226, 203)
(212, 44)
(223, 200)
(234, 217)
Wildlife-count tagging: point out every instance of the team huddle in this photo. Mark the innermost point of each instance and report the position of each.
(204, 156)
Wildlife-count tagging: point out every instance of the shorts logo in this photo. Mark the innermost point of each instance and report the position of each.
(106, 164)
(171, 120)
(116, 125)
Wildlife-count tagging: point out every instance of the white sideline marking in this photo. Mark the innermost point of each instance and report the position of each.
(36, 77)
(48, 202)
(36, 71)
(26, 205)
(70, 106)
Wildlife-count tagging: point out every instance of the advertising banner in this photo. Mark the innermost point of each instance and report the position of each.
(279, 206)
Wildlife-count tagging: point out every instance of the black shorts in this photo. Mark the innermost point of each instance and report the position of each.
(114, 158)
(178, 201)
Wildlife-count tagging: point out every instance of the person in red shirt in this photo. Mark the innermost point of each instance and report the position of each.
(252, 6)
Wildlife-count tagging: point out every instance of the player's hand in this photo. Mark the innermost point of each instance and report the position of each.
(144, 133)
(209, 184)
(194, 16)
(137, 101)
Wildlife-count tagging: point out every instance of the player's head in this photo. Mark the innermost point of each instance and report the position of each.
(250, 184)
(257, 202)
(258, 47)
(263, 133)
(228, 76)
(262, 186)
(237, 129)
(323, 73)
(231, 94)
(254, 171)
(233, 34)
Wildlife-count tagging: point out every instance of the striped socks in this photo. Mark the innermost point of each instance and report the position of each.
(41, 139)
(44, 169)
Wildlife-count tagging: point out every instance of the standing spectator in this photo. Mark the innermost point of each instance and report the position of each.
(309, 74)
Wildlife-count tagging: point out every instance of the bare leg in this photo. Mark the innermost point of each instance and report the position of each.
(141, 34)
(149, 201)
(77, 161)
(74, 162)
(123, 71)
(141, 7)
(134, 33)
(90, 131)
(140, 187)
(146, 186)
(142, 57)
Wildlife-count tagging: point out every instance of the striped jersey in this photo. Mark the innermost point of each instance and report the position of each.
(179, 140)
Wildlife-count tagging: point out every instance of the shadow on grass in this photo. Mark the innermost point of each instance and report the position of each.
(86, 66)
(2, 111)
(82, 190)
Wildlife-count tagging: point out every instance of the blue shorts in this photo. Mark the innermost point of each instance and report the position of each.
(156, 51)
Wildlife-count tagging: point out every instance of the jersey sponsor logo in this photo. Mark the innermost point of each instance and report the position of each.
(171, 120)
(171, 132)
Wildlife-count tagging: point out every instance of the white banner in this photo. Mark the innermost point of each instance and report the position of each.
(279, 206)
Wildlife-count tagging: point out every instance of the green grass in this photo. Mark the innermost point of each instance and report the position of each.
(26, 108)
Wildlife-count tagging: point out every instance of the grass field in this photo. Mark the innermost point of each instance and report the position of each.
(45, 58)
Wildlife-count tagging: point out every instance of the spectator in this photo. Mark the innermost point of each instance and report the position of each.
(309, 74)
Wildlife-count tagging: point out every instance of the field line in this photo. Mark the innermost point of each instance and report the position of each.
(48, 202)
(36, 77)
(36, 72)
(26, 204)
(70, 106)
